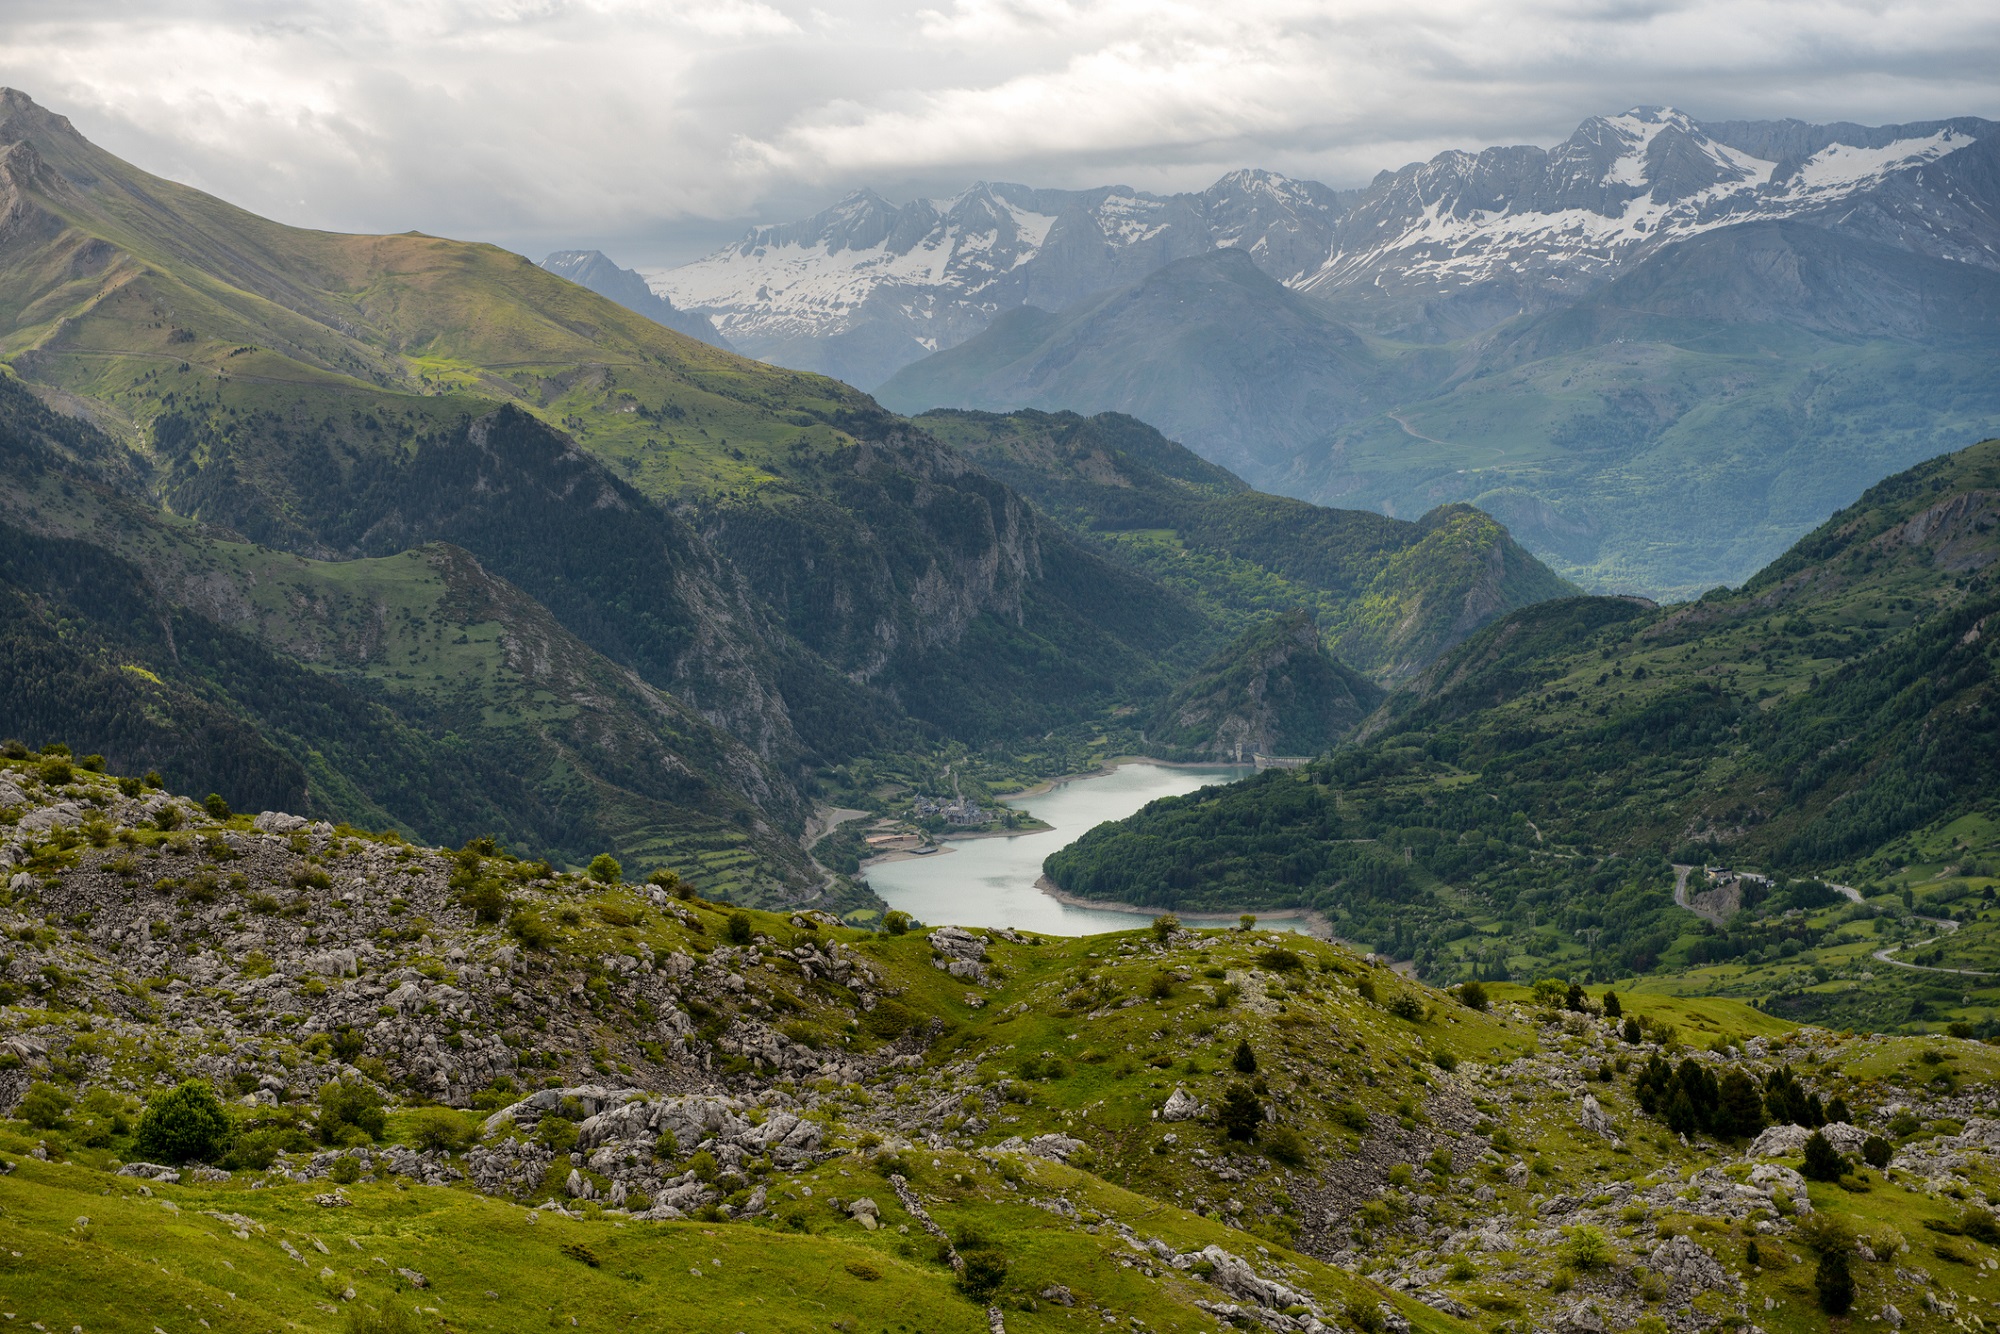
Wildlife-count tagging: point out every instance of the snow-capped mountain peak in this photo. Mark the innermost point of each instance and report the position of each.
(866, 286)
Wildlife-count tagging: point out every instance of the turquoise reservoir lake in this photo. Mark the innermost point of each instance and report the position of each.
(991, 881)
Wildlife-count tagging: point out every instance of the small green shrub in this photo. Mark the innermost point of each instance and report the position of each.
(1287, 1145)
(556, 1133)
(255, 1150)
(44, 1106)
(1833, 1283)
(485, 900)
(1823, 1162)
(1241, 1113)
(527, 927)
(1407, 1005)
(985, 1270)
(1586, 1248)
(185, 1124)
(349, 1104)
(1164, 927)
(605, 870)
(1472, 995)
(737, 930)
(581, 1253)
(439, 1128)
(345, 1171)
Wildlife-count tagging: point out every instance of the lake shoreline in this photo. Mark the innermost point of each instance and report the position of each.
(942, 845)
(990, 879)
(1112, 766)
(1321, 928)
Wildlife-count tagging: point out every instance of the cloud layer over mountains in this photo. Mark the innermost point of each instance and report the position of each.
(535, 122)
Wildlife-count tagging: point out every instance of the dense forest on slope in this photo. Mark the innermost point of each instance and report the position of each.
(1526, 799)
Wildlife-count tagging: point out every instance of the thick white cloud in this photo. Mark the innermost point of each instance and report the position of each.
(540, 122)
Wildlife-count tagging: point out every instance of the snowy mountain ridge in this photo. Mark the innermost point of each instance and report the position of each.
(1440, 247)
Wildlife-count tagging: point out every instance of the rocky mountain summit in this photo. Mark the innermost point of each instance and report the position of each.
(1234, 1126)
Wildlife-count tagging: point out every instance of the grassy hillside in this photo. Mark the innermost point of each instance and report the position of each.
(1390, 595)
(1525, 805)
(1054, 1115)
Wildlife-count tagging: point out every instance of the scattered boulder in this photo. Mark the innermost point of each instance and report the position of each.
(1592, 1117)
(1688, 1269)
(1056, 1148)
(1180, 1107)
(278, 822)
(1233, 1275)
(1773, 1177)
(1782, 1141)
(959, 953)
(150, 1172)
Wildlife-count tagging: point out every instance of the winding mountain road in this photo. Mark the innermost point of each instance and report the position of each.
(1884, 955)
(1681, 874)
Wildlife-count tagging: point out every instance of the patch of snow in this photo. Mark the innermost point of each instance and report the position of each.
(1843, 166)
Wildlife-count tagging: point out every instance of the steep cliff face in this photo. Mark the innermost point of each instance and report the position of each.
(915, 573)
(418, 690)
(1275, 691)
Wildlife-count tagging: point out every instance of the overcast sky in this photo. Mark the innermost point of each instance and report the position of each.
(658, 130)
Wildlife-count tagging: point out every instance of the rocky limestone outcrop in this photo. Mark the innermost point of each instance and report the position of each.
(959, 953)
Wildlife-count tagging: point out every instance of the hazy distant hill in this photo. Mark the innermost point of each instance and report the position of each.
(1389, 595)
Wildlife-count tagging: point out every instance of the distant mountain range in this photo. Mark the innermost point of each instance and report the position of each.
(1659, 353)
(1433, 250)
